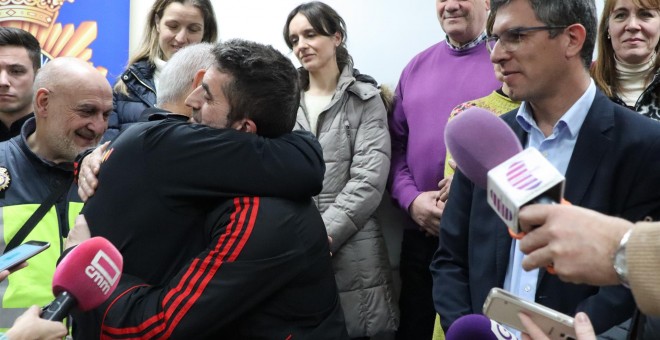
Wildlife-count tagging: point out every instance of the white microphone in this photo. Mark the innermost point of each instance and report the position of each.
(526, 178)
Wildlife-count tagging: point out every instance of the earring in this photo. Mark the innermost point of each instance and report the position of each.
(608, 36)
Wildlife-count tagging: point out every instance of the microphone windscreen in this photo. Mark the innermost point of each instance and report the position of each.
(478, 141)
(90, 272)
(477, 326)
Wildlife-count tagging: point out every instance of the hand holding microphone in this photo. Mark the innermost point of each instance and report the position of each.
(85, 278)
(579, 242)
(30, 326)
(495, 161)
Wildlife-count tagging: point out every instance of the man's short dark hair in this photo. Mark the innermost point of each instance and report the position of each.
(10, 36)
(565, 13)
(264, 87)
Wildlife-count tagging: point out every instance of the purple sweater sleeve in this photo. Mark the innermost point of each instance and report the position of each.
(402, 184)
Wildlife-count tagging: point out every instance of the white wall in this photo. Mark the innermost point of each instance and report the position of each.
(382, 34)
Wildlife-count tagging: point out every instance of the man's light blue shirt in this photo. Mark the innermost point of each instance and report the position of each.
(558, 149)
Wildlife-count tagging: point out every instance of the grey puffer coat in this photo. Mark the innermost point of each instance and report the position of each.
(355, 139)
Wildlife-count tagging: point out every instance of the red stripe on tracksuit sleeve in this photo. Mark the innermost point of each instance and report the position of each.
(115, 300)
(149, 322)
(236, 230)
(242, 239)
(204, 263)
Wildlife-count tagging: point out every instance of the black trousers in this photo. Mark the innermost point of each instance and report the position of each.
(416, 300)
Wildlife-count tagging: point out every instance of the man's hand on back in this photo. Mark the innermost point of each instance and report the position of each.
(89, 171)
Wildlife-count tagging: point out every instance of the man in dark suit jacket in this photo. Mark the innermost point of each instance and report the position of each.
(609, 156)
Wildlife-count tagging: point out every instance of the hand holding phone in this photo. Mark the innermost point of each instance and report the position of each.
(583, 328)
(504, 307)
(20, 254)
(5, 273)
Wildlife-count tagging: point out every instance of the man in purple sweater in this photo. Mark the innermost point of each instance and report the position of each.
(446, 74)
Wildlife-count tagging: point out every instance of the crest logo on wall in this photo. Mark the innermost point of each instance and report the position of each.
(39, 18)
(57, 39)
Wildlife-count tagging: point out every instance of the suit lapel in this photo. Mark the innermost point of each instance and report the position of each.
(592, 144)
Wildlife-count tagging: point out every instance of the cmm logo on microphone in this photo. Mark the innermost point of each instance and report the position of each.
(103, 271)
(520, 177)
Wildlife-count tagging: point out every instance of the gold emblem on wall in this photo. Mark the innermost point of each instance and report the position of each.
(39, 18)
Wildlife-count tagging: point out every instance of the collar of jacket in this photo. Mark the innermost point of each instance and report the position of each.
(348, 82)
(29, 127)
(140, 75)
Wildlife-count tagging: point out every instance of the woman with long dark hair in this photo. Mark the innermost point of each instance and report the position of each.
(345, 111)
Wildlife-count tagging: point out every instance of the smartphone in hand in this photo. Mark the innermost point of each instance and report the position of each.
(503, 307)
(21, 253)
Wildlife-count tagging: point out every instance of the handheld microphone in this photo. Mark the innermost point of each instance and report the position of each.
(488, 152)
(85, 278)
(477, 326)
(479, 141)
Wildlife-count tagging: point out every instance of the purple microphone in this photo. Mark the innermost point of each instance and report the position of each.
(477, 326)
(479, 141)
(488, 153)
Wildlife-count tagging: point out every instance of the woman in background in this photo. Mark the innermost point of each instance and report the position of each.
(628, 69)
(171, 25)
(350, 121)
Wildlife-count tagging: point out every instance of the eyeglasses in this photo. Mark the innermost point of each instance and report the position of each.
(510, 39)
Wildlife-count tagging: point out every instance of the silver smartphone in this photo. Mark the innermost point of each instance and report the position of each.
(503, 307)
(21, 253)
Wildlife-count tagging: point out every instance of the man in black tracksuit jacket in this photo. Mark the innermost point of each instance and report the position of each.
(200, 260)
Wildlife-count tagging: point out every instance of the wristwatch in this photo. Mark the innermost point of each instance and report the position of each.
(619, 260)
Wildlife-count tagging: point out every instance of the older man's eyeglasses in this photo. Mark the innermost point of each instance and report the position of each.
(510, 39)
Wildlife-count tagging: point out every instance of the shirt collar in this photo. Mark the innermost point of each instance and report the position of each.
(467, 45)
(572, 119)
